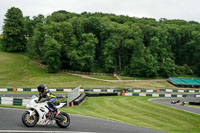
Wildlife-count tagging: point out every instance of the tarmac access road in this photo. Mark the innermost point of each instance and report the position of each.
(167, 102)
(10, 121)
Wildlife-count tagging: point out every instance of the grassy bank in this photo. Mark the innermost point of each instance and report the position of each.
(140, 112)
(16, 71)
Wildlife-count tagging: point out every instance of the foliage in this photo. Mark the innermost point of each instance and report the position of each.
(127, 45)
(13, 31)
(52, 54)
(35, 43)
(82, 57)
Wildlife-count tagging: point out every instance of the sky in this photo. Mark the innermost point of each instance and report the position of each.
(170, 9)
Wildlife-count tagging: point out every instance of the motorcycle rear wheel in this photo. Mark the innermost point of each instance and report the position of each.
(29, 121)
(66, 122)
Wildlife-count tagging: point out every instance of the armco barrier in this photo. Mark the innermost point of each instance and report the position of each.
(105, 90)
(14, 101)
(7, 100)
(155, 95)
(100, 94)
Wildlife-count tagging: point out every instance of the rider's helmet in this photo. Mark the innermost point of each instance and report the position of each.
(41, 87)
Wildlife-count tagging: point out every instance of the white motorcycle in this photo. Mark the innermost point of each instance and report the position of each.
(40, 113)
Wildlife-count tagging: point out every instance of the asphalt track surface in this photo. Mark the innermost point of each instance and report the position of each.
(10, 121)
(167, 102)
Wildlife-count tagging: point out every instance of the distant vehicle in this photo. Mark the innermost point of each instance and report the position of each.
(40, 113)
(177, 102)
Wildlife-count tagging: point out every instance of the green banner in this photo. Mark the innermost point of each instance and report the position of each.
(26, 89)
(17, 101)
(10, 89)
(135, 94)
(150, 95)
(161, 95)
(174, 95)
(59, 89)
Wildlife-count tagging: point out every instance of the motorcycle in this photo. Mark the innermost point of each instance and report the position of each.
(40, 113)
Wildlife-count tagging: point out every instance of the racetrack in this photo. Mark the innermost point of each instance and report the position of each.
(167, 102)
(10, 120)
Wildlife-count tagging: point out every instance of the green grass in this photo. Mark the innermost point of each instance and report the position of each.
(61, 100)
(12, 106)
(104, 77)
(16, 71)
(151, 84)
(133, 78)
(123, 77)
(140, 112)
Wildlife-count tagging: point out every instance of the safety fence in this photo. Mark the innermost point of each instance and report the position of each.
(14, 101)
(159, 95)
(103, 90)
(38, 64)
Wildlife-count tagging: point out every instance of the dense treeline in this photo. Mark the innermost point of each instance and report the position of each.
(110, 43)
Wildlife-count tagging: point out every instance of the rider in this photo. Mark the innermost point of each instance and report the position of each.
(48, 96)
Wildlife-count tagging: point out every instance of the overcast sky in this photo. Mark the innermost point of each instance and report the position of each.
(170, 9)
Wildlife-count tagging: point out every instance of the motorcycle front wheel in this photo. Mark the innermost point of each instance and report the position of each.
(63, 123)
(29, 121)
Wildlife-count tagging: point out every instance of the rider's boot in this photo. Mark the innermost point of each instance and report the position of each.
(56, 112)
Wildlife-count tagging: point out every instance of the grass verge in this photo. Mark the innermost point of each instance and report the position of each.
(12, 106)
(140, 112)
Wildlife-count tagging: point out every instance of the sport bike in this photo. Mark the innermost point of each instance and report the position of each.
(40, 113)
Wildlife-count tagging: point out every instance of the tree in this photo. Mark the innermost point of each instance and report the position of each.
(62, 32)
(82, 57)
(167, 67)
(31, 24)
(193, 51)
(60, 16)
(13, 31)
(107, 42)
(52, 55)
(35, 44)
